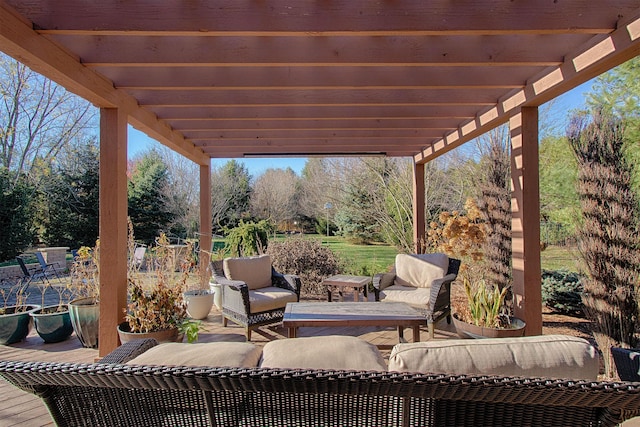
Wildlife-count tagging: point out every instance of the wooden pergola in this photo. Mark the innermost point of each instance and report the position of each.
(234, 78)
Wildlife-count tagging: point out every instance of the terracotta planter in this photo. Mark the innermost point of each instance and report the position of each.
(85, 319)
(168, 335)
(16, 323)
(199, 303)
(467, 330)
(52, 325)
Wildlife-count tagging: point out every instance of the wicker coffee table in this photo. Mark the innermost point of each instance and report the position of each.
(310, 314)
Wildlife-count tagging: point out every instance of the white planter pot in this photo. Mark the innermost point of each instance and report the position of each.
(217, 299)
(199, 303)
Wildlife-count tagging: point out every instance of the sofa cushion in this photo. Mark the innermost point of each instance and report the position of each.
(419, 271)
(255, 271)
(407, 294)
(548, 356)
(270, 298)
(231, 354)
(328, 352)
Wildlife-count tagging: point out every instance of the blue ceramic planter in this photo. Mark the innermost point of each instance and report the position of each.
(16, 323)
(52, 326)
(85, 318)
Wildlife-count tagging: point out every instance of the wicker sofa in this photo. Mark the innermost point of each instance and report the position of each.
(112, 393)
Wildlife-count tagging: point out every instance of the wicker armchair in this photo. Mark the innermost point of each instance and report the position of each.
(627, 362)
(435, 303)
(247, 302)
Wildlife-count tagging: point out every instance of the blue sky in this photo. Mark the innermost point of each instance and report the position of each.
(561, 108)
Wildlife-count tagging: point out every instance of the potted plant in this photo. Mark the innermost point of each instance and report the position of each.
(156, 307)
(15, 318)
(84, 310)
(486, 315)
(199, 302)
(53, 322)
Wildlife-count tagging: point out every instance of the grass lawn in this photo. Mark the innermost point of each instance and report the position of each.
(561, 258)
(371, 259)
(365, 260)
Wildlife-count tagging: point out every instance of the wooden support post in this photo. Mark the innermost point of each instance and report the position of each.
(525, 223)
(205, 224)
(419, 228)
(113, 226)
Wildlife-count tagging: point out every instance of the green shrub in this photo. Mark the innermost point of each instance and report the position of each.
(562, 291)
(307, 258)
(248, 238)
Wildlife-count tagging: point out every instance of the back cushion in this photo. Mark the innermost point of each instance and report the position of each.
(214, 354)
(325, 352)
(547, 356)
(419, 271)
(255, 271)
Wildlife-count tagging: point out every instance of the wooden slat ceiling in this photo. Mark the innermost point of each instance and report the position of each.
(317, 77)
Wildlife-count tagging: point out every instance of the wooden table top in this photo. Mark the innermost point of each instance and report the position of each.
(351, 313)
(347, 280)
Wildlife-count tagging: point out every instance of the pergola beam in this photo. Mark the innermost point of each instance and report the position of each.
(310, 17)
(18, 40)
(598, 55)
(393, 50)
(306, 77)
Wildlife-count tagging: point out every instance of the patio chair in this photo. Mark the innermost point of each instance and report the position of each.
(30, 274)
(253, 293)
(627, 361)
(423, 281)
(138, 256)
(48, 268)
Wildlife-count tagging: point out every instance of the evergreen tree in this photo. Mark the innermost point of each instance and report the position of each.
(71, 196)
(16, 213)
(148, 207)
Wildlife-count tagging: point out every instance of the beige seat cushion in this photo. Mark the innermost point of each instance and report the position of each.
(231, 354)
(419, 271)
(255, 271)
(407, 294)
(548, 356)
(270, 298)
(328, 352)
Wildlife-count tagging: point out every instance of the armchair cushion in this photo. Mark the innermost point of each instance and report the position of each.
(255, 271)
(407, 294)
(419, 271)
(270, 298)
(231, 354)
(327, 352)
(546, 356)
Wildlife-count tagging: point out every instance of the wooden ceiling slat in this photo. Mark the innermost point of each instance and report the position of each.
(213, 78)
(286, 134)
(308, 16)
(334, 112)
(346, 123)
(318, 97)
(430, 50)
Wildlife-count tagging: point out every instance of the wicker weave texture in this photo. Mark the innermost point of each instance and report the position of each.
(119, 395)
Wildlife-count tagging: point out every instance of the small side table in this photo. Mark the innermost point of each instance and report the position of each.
(341, 281)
